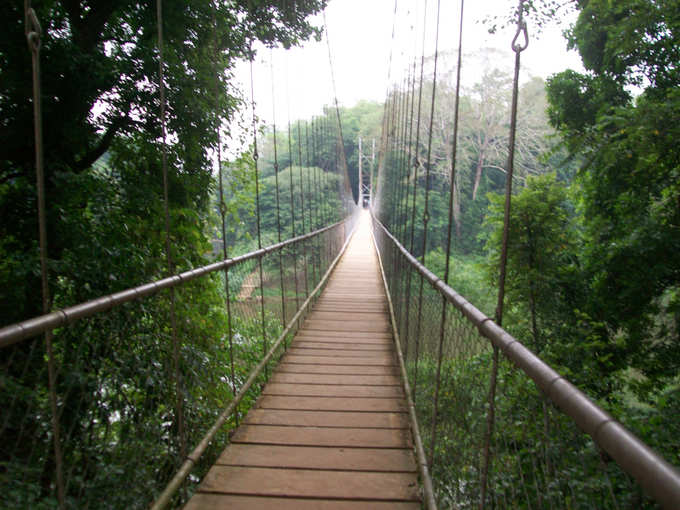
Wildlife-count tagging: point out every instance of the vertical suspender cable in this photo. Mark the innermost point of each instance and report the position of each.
(452, 188)
(405, 170)
(341, 141)
(223, 211)
(33, 34)
(292, 195)
(426, 213)
(278, 201)
(399, 140)
(168, 254)
(428, 165)
(392, 147)
(518, 47)
(405, 333)
(416, 167)
(383, 137)
(302, 207)
(256, 156)
(416, 150)
(309, 173)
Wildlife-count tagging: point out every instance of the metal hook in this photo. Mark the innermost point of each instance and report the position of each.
(521, 30)
(33, 30)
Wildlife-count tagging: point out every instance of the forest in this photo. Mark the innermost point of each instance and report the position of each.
(593, 268)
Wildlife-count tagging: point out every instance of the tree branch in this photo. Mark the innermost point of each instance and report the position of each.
(102, 146)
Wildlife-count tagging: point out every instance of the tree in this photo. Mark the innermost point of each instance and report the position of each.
(100, 94)
(541, 249)
(623, 115)
(105, 213)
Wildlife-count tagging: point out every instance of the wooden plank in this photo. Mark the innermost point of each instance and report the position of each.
(311, 483)
(230, 502)
(365, 326)
(350, 346)
(332, 390)
(354, 335)
(336, 307)
(366, 380)
(292, 359)
(304, 418)
(323, 436)
(311, 457)
(338, 360)
(348, 316)
(330, 430)
(338, 369)
(332, 403)
(377, 338)
(341, 353)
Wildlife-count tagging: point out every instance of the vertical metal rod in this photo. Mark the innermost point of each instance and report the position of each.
(402, 173)
(168, 253)
(292, 213)
(223, 211)
(404, 176)
(426, 212)
(33, 33)
(302, 207)
(404, 229)
(256, 157)
(517, 48)
(392, 148)
(310, 173)
(317, 195)
(416, 164)
(442, 325)
(396, 167)
(370, 188)
(361, 176)
(278, 200)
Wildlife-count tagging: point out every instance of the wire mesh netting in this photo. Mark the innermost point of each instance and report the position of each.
(133, 396)
(533, 456)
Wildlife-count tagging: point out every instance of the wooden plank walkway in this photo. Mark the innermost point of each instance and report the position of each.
(330, 430)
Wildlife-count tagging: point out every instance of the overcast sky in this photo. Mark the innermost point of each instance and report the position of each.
(361, 42)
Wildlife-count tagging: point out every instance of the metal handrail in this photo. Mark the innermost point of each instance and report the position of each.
(173, 486)
(654, 474)
(31, 327)
(430, 501)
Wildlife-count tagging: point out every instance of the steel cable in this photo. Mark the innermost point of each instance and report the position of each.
(166, 210)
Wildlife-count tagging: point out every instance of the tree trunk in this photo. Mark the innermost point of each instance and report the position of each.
(478, 175)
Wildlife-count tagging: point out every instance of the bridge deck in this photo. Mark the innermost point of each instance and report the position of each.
(330, 430)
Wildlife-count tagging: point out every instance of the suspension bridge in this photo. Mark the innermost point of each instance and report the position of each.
(346, 374)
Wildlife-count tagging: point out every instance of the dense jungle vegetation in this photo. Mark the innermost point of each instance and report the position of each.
(105, 233)
(594, 271)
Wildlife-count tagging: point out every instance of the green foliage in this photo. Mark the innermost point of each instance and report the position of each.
(541, 242)
(106, 232)
(630, 180)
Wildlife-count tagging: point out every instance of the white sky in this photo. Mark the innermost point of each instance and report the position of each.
(360, 34)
